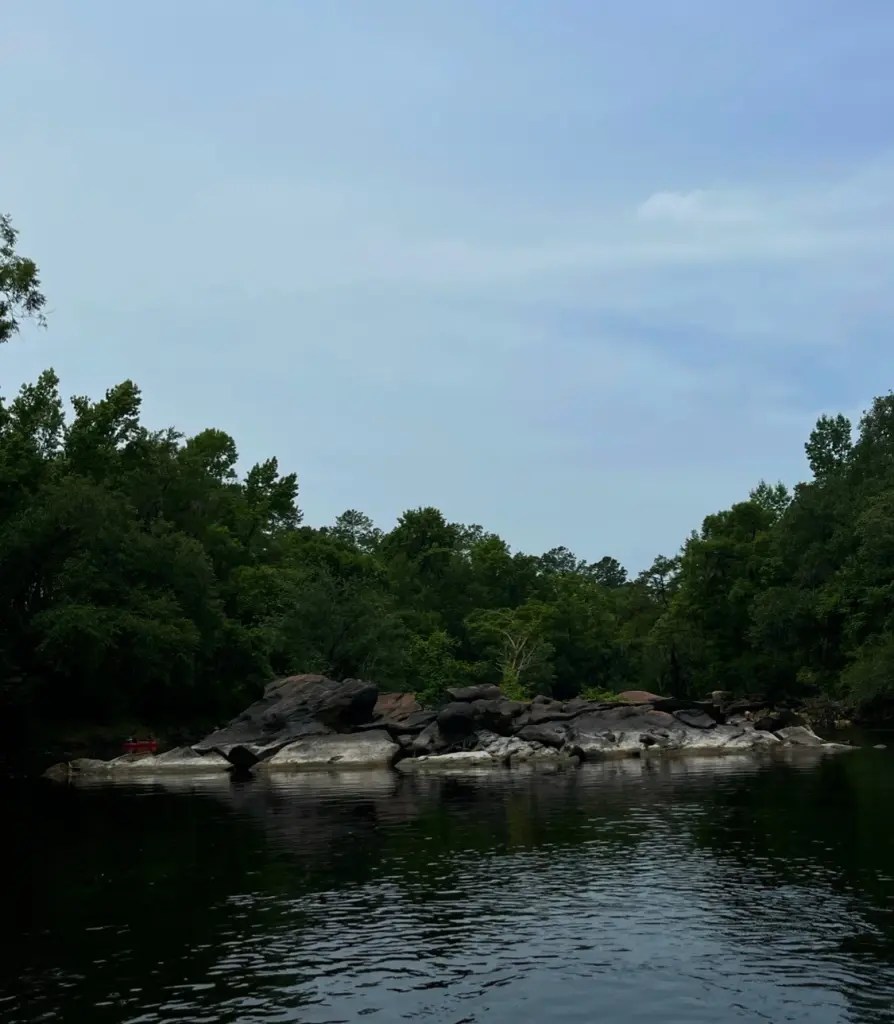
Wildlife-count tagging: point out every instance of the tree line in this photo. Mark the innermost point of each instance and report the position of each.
(143, 577)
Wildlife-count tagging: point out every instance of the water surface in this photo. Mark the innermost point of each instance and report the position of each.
(708, 890)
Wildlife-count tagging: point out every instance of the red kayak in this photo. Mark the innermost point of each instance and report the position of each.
(140, 746)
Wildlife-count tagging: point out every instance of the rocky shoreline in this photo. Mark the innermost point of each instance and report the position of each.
(309, 722)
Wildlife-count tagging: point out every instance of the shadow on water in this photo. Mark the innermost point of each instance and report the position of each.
(717, 889)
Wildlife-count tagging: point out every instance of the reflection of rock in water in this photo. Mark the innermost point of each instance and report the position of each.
(317, 814)
(321, 812)
(320, 816)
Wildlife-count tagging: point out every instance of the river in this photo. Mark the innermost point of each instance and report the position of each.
(708, 890)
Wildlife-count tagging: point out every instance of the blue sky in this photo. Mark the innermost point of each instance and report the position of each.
(582, 273)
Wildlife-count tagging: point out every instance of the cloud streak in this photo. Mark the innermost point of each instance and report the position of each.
(436, 255)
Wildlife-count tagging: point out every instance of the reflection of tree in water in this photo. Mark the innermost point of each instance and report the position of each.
(128, 884)
(181, 875)
(796, 822)
(823, 832)
(349, 828)
(149, 880)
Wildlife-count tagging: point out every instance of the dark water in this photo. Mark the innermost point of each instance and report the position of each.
(701, 890)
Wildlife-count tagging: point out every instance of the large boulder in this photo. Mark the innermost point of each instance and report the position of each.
(723, 738)
(550, 734)
(632, 730)
(638, 697)
(181, 760)
(579, 706)
(412, 724)
(547, 713)
(247, 755)
(457, 718)
(695, 718)
(461, 760)
(430, 741)
(513, 750)
(772, 720)
(67, 770)
(396, 706)
(678, 704)
(502, 748)
(799, 736)
(294, 708)
(498, 715)
(358, 750)
(486, 691)
(400, 714)
(492, 751)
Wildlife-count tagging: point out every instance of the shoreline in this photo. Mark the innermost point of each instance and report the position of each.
(310, 723)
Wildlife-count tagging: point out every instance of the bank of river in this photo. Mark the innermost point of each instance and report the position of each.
(681, 890)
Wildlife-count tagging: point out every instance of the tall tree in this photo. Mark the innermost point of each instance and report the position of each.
(20, 294)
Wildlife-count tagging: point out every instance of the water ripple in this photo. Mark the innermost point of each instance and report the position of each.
(698, 891)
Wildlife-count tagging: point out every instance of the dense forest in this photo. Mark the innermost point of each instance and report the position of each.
(143, 579)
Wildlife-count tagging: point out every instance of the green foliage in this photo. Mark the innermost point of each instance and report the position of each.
(20, 294)
(596, 693)
(143, 576)
(431, 666)
(829, 447)
(515, 645)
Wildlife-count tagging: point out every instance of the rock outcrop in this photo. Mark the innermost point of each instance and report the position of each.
(181, 760)
(372, 749)
(310, 722)
(293, 708)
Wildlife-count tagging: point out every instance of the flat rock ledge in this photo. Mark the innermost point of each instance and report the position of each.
(181, 760)
(311, 723)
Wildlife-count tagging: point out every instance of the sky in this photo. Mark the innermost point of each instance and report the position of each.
(582, 273)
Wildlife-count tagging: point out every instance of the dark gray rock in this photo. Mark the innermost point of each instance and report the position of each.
(246, 755)
(457, 718)
(799, 736)
(548, 713)
(486, 691)
(773, 721)
(357, 750)
(632, 730)
(512, 751)
(719, 739)
(460, 760)
(411, 724)
(577, 706)
(294, 708)
(181, 760)
(671, 704)
(498, 715)
(550, 734)
(695, 718)
(743, 706)
(430, 741)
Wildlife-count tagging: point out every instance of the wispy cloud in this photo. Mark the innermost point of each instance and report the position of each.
(697, 208)
(583, 276)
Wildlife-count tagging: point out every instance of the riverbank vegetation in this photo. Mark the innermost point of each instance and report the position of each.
(143, 576)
